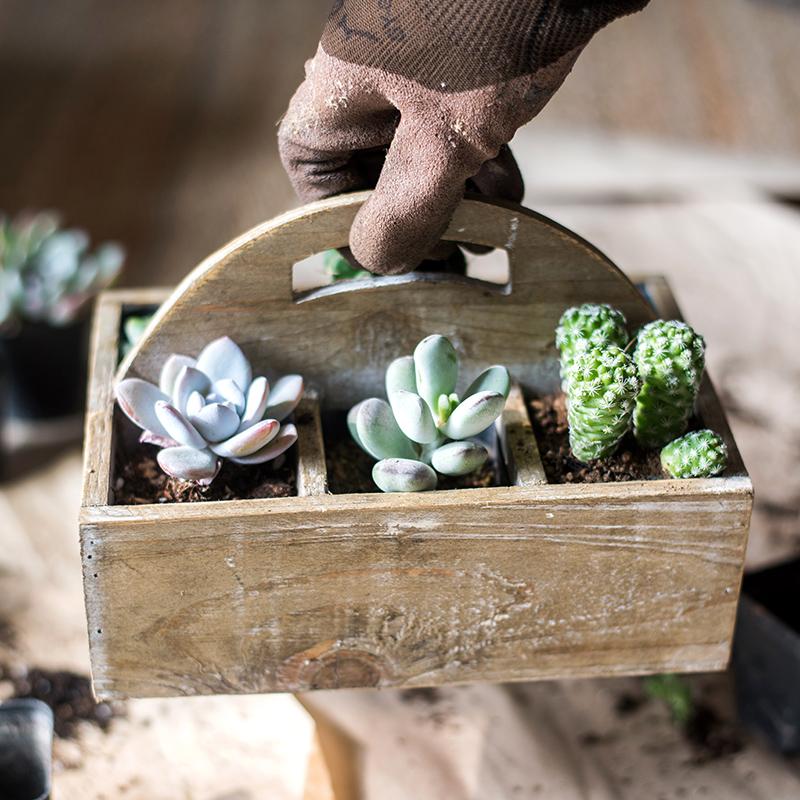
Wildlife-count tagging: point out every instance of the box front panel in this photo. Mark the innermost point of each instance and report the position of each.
(489, 585)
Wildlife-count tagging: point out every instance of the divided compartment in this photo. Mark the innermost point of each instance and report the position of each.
(520, 582)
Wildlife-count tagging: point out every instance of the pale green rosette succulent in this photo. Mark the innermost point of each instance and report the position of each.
(584, 327)
(426, 428)
(670, 358)
(699, 454)
(602, 393)
(210, 408)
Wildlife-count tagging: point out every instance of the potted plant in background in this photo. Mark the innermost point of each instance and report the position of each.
(48, 276)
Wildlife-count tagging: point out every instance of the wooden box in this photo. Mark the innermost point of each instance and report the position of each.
(518, 582)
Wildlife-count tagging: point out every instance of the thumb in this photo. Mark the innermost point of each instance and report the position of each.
(420, 185)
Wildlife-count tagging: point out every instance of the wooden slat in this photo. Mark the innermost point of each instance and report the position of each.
(518, 442)
(312, 476)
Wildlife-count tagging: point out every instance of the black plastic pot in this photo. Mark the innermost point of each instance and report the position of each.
(766, 655)
(45, 370)
(26, 749)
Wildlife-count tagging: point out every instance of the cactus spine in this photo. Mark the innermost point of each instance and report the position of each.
(670, 358)
(699, 454)
(601, 396)
(584, 327)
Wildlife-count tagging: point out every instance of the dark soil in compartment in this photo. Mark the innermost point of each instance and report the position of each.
(629, 463)
(350, 468)
(138, 480)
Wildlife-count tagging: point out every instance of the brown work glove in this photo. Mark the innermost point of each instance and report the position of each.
(444, 85)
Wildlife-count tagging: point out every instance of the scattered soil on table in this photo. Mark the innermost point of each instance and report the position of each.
(69, 696)
(141, 481)
(629, 463)
(350, 468)
(710, 736)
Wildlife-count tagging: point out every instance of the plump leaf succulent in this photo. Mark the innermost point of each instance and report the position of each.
(340, 269)
(699, 454)
(426, 427)
(670, 358)
(132, 330)
(584, 327)
(210, 408)
(47, 274)
(601, 396)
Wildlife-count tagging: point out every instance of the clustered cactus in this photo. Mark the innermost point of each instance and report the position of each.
(601, 391)
(654, 391)
(211, 408)
(426, 427)
(47, 274)
(699, 454)
(670, 357)
(584, 327)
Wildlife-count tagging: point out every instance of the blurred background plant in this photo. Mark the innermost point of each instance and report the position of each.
(47, 273)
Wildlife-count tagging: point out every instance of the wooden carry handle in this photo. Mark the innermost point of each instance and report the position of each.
(342, 336)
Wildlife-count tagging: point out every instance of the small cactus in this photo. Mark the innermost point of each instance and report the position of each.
(670, 358)
(426, 427)
(699, 454)
(210, 408)
(602, 393)
(583, 327)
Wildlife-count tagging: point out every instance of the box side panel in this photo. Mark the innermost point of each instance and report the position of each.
(389, 594)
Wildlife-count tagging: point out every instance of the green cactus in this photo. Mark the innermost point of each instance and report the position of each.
(699, 454)
(340, 269)
(425, 427)
(602, 391)
(583, 327)
(670, 358)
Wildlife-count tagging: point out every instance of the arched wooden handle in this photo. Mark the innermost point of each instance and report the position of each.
(344, 338)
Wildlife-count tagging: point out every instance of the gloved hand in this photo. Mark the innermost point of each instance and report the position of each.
(444, 85)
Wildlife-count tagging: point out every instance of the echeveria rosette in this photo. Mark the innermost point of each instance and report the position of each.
(211, 408)
(426, 427)
(47, 274)
(670, 358)
(601, 397)
(699, 454)
(584, 327)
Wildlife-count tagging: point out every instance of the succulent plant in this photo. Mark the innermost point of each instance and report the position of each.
(340, 269)
(47, 274)
(132, 330)
(210, 408)
(601, 396)
(426, 427)
(670, 358)
(699, 454)
(583, 327)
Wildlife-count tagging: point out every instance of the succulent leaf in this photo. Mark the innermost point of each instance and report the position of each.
(215, 422)
(459, 458)
(413, 416)
(493, 379)
(699, 454)
(195, 402)
(279, 445)
(256, 403)
(670, 357)
(178, 427)
(189, 464)
(284, 397)
(169, 372)
(400, 376)
(137, 399)
(474, 415)
(436, 368)
(379, 433)
(249, 440)
(226, 389)
(352, 416)
(222, 359)
(602, 388)
(403, 475)
(587, 326)
(188, 380)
